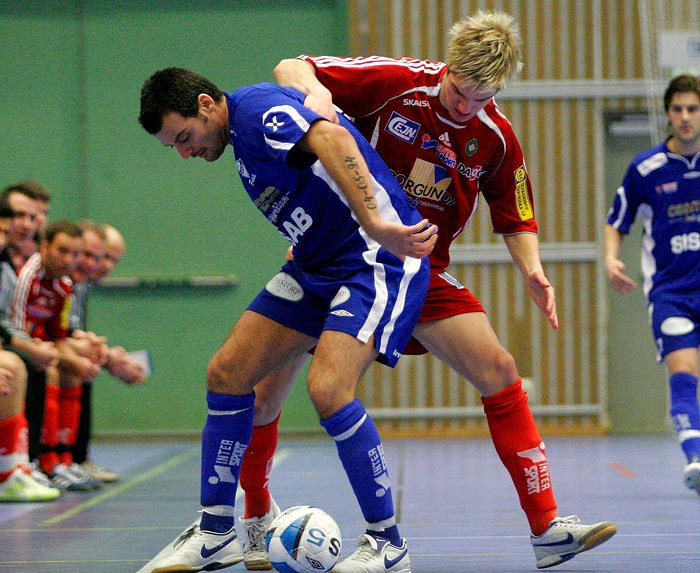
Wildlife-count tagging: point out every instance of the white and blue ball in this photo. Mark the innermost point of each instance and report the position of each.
(303, 539)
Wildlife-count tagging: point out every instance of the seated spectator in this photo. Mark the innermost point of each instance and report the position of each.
(40, 357)
(16, 481)
(30, 201)
(40, 307)
(104, 246)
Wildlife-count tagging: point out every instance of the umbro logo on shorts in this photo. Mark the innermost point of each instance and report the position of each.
(342, 312)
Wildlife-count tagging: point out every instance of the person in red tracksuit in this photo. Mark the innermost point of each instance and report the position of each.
(41, 307)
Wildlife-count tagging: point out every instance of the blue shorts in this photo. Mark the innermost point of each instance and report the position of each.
(377, 299)
(675, 323)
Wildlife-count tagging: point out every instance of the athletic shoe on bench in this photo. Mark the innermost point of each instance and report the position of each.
(20, 487)
(99, 473)
(64, 479)
(78, 471)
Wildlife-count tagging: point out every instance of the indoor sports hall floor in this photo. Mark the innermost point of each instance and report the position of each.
(454, 500)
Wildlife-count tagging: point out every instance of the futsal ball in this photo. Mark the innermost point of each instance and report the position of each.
(303, 539)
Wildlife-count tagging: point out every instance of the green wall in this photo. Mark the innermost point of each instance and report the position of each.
(637, 384)
(72, 72)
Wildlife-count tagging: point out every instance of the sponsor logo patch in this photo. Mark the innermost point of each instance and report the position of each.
(286, 287)
(677, 326)
(442, 149)
(402, 127)
(522, 199)
(341, 296)
(427, 181)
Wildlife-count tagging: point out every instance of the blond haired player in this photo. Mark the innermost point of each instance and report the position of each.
(439, 130)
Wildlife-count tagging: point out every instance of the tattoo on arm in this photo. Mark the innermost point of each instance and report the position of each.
(361, 183)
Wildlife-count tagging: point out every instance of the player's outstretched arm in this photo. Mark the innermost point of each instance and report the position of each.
(338, 152)
(614, 267)
(525, 251)
(299, 74)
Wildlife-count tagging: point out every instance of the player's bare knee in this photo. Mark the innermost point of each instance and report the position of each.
(15, 365)
(328, 398)
(498, 373)
(264, 412)
(219, 380)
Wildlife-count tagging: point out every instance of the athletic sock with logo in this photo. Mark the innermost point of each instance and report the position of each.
(10, 444)
(255, 471)
(685, 413)
(48, 458)
(518, 443)
(362, 455)
(224, 440)
(69, 420)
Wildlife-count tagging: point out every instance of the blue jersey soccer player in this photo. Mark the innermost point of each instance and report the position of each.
(662, 187)
(354, 289)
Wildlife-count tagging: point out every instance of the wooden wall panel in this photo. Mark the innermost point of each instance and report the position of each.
(577, 64)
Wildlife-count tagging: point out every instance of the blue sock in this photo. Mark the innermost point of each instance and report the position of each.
(685, 413)
(224, 440)
(362, 455)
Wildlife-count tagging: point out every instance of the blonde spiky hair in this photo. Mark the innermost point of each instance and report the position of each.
(485, 49)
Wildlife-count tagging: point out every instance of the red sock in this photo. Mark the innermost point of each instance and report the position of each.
(10, 429)
(518, 443)
(48, 458)
(69, 420)
(257, 463)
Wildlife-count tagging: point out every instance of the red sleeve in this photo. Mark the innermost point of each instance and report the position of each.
(508, 191)
(360, 86)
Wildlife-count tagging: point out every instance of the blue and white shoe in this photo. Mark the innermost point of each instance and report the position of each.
(376, 555)
(691, 476)
(63, 478)
(197, 550)
(566, 537)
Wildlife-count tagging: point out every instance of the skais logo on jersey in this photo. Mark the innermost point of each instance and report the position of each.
(402, 127)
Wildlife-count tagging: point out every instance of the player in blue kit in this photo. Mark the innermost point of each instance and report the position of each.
(354, 289)
(662, 187)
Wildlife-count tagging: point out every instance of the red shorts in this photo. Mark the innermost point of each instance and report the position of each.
(446, 297)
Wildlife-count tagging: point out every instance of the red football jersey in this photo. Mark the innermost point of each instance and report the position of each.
(41, 306)
(441, 165)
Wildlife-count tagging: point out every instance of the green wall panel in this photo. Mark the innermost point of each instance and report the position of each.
(73, 73)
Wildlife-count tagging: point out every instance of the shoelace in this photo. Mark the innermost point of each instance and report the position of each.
(570, 520)
(187, 534)
(255, 533)
(364, 553)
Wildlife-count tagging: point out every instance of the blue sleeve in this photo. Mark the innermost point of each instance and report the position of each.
(627, 200)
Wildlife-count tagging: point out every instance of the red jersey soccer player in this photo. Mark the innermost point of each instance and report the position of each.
(41, 307)
(438, 128)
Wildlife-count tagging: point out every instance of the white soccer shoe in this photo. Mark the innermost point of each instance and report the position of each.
(691, 476)
(197, 550)
(376, 555)
(254, 553)
(566, 537)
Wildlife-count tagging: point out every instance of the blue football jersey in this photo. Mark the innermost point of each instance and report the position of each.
(291, 188)
(663, 189)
